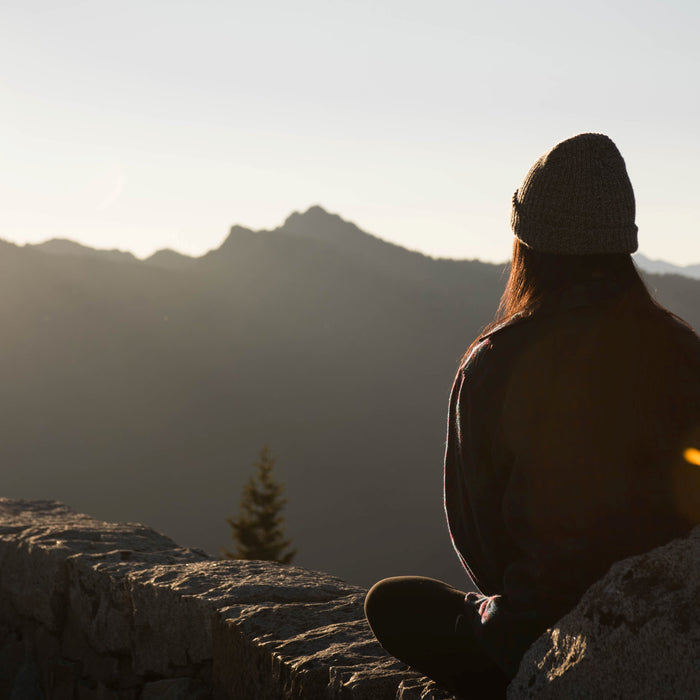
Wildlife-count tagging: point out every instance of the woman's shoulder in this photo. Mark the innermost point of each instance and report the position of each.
(679, 335)
(497, 344)
(685, 333)
(516, 321)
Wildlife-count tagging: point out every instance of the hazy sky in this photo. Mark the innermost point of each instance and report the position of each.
(160, 123)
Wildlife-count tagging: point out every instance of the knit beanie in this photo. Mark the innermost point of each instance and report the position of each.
(577, 200)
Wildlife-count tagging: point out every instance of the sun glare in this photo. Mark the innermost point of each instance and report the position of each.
(692, 455)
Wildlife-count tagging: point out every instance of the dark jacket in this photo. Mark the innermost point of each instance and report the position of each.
(566, 435)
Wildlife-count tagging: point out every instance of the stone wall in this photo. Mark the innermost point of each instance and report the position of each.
(102, 611)
(116, 611)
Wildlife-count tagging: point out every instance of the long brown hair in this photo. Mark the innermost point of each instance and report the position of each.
(537, 281)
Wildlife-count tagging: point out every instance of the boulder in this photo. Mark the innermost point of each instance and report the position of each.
(634, 634)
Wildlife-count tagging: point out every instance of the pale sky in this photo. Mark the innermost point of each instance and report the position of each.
(148, 124)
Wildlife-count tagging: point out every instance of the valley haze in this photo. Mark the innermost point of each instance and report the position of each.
(144, 389)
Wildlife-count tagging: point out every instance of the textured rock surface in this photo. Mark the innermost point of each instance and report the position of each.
(635, 634)
(90, 609)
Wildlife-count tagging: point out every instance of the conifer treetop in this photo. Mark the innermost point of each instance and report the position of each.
(258, 530)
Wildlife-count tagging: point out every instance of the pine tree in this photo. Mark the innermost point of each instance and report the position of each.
(258, 529)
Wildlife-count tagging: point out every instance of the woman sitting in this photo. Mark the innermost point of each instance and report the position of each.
(568, 421)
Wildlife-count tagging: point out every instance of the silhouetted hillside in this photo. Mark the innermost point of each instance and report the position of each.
(143, 390)
(661, 267)
(61, 246)
(170, 259)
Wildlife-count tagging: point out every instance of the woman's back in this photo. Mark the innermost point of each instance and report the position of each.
(602, 402)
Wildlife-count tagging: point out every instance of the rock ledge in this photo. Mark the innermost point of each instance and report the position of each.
(96, 610)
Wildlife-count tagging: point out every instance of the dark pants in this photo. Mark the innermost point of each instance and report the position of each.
(415, 620)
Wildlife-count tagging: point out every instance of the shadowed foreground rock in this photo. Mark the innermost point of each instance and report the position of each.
(111, 611)
(635, 634)
(94, 610)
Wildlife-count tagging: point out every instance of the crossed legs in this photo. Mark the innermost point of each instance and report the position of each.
(415, 619)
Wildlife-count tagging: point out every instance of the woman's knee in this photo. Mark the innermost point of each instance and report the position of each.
(414, 619)
(382, 600)
(404, 606)
(390, 595)
(387, 609)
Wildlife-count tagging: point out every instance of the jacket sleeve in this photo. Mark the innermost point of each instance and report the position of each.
(473, 483)
(477, 476)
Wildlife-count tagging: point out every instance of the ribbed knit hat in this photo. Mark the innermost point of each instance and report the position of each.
(576, 200)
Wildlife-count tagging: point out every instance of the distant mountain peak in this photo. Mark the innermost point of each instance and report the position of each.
(236, 234)
(318, 209)
(170, 259)
(314, 213)
(314, 218)
(319, 224)
(64, 246)
(238, 229)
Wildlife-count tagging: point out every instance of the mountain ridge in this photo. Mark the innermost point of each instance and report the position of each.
(662, 267)
(316, 223)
